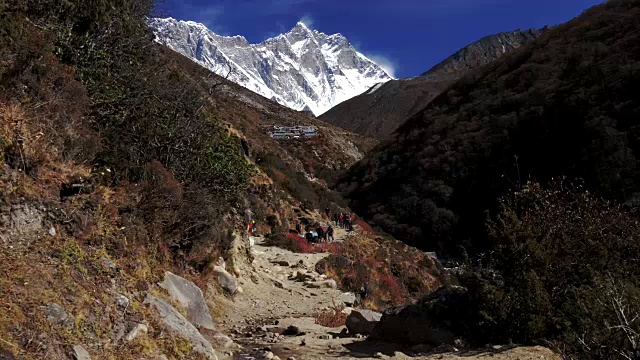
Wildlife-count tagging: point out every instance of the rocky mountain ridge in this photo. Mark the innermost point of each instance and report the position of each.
(480, 53)
(303, 69)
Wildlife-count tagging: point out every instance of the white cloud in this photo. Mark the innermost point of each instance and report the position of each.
(209, 15)
(307, 21)
(389, 66)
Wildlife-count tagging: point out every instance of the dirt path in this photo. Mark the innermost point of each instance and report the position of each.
(283, 290)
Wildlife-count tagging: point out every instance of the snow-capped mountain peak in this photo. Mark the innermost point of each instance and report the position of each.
(303, 69)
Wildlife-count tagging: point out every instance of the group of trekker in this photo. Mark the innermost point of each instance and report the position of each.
(316, 234)
(345, 221)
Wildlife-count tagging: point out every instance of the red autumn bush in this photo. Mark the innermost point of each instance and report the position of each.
(364, 226)
(333, 317)
(385, 273)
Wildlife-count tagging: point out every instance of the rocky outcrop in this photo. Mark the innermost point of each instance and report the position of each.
(20, 223)
(349, 299)
(423, 323)
(227, 282)
(137, 331)
(58, 316)
(239, 255)
(180, 326)
(362, 321)
(190, 297)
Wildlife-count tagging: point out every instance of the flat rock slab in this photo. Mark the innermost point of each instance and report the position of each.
(179, 325)
(190, 297)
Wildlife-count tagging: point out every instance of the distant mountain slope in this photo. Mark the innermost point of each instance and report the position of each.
(479, 53)
(381, 110)
(564, 104)
(303, 69)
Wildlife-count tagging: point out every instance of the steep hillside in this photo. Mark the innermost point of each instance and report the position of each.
(303, 69)
(250, 114)
(379, 111)
(563, 105)
(120, 160)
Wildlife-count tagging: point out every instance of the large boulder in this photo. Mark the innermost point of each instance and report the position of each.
(362, 321)
(180, 326)
(349, 299)
(190, 297)
(427, 322)
(227, 281)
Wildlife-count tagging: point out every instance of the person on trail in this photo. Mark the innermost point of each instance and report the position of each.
(341, 220)
(252, 226)
(330, 237)
(328, 212)
(336, 218)
(249, 217)
(363, 293)
(347, 223)
(320, 231)
(298, 227)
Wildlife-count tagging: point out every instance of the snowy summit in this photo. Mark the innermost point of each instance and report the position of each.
(303, 69)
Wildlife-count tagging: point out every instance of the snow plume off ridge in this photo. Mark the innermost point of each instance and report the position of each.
(303, 69)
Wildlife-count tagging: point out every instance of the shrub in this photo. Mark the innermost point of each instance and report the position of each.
(311, 195)
(385, 273)
(92, 67)
(364, 226)
(290, 241)
(563, 268)
(44, 107)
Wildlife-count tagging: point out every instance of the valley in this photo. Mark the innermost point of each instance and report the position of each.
(167, 192)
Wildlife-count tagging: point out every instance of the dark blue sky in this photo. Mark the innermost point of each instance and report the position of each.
(408, 35)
